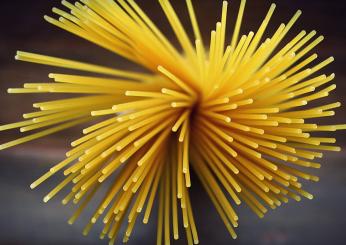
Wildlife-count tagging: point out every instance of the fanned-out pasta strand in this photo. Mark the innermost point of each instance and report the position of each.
(238, 113)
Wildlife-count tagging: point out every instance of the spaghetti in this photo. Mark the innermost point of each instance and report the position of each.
(235, 113)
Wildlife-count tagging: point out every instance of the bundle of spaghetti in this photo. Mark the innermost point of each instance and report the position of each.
(236, 113)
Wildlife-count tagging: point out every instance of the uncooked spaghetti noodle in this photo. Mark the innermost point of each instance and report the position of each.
(235, 112)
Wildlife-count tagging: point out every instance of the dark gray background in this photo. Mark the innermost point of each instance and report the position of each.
(25, 219)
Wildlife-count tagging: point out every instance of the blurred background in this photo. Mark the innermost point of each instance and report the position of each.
(25, 219)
